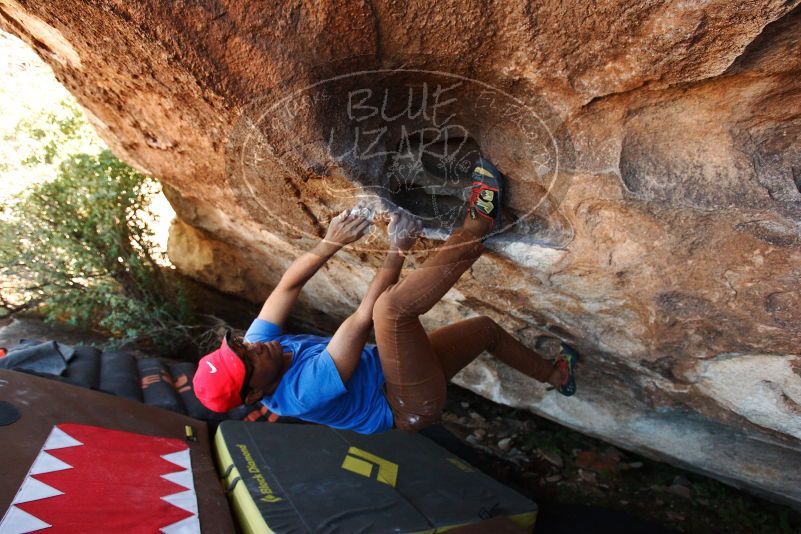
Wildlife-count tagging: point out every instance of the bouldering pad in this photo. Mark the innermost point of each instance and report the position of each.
(48, 403)
(307, 478)
(83, 368)
(157, 385)
(119, 375)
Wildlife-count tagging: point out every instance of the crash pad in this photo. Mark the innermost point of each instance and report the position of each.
(157, 385)
(83, 368)
(119, 375)
(308, 478)
(48, 407)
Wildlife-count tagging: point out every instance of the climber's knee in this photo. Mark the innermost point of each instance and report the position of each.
(415, 423)
(388, 305)
(415, 411)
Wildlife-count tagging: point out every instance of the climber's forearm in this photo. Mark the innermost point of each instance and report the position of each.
(307, 265)
(279, 304)
(348, 341)
(345, 228)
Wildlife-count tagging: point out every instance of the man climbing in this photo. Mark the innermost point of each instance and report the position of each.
(342, 381)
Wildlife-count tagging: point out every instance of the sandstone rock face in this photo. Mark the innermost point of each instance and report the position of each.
(654, 163)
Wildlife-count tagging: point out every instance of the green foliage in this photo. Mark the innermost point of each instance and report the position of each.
(75, 243)
(44, 138)
(51, 133)
(79, 247)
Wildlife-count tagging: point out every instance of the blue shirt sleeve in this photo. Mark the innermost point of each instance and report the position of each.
(261, 331)
(315, 382)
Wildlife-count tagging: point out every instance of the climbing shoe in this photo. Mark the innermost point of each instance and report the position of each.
(486, 193)
(566, 362)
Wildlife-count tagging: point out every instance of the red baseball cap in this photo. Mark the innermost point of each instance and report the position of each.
(219, 378)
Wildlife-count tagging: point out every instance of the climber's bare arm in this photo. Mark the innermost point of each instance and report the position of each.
(344, 229)
(348, 341)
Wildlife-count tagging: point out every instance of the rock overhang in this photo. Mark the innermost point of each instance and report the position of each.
(666, 247)
(407, 138)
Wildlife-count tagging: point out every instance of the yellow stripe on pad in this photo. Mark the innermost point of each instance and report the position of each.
(250, 519)
(525, 520)
(485, 172)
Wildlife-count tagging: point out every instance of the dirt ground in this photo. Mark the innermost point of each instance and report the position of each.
(566, 471)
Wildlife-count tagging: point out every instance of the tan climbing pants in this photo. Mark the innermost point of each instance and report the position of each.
(417, 365)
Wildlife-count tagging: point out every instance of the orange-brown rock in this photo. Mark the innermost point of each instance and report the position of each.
(654, 163)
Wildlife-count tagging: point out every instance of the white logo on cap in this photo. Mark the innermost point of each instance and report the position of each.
(213, 369)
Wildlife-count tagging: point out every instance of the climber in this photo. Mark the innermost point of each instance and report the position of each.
(346, 383)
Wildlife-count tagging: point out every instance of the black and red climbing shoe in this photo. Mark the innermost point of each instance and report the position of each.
(566, 363)
(486, 193)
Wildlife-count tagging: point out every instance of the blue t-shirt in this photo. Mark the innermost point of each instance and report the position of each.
(312, 390)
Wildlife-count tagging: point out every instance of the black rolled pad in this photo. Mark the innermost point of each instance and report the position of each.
(119, 375)
(157, 385)
(83, 368)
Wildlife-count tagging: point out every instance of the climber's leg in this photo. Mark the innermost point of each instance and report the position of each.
(415, 381)
(459, 344)
(420, 290)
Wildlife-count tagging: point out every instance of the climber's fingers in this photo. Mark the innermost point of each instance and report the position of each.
(363, 227)
(355, 221)
(394, 220)
(341, 216)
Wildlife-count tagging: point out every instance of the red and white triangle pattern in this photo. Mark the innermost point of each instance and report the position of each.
(34, 491)
(186, 500)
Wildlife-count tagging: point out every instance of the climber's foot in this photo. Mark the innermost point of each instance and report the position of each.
(484, 204)
(566, 363)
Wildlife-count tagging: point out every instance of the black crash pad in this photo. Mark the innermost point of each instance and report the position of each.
(157, 385)
(84, 368)
(307, 478)
(119, 375)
